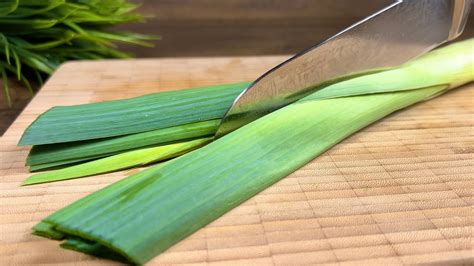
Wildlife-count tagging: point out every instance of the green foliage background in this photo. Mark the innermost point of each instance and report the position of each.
(36, 36)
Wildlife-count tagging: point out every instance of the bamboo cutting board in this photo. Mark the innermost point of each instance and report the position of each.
(398, 192)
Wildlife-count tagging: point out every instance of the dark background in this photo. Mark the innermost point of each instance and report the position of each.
(197, 28)
(248, 27)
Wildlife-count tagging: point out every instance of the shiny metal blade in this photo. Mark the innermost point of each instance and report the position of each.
(392, 36)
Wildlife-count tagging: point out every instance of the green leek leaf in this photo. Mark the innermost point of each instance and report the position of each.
(123, 117)
(91, 149)
(121, 161)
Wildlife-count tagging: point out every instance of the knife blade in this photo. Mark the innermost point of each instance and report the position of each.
(387, 38)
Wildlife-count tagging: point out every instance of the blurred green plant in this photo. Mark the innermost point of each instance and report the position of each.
(36, 36)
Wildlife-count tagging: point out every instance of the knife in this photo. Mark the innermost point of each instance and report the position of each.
(390, 37)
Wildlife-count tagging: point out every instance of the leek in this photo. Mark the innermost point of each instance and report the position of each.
(437, 67)
(46, 156)
(120, 161)
(123, 117)
(141, 216)
(172, 201)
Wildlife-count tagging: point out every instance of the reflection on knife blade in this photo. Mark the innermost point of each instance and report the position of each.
(391, 36)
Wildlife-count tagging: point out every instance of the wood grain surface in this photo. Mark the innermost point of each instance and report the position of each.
(397, 192)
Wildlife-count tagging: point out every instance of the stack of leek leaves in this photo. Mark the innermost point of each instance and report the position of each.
(142, 215)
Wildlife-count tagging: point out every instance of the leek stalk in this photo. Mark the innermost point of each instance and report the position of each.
(141, 216)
